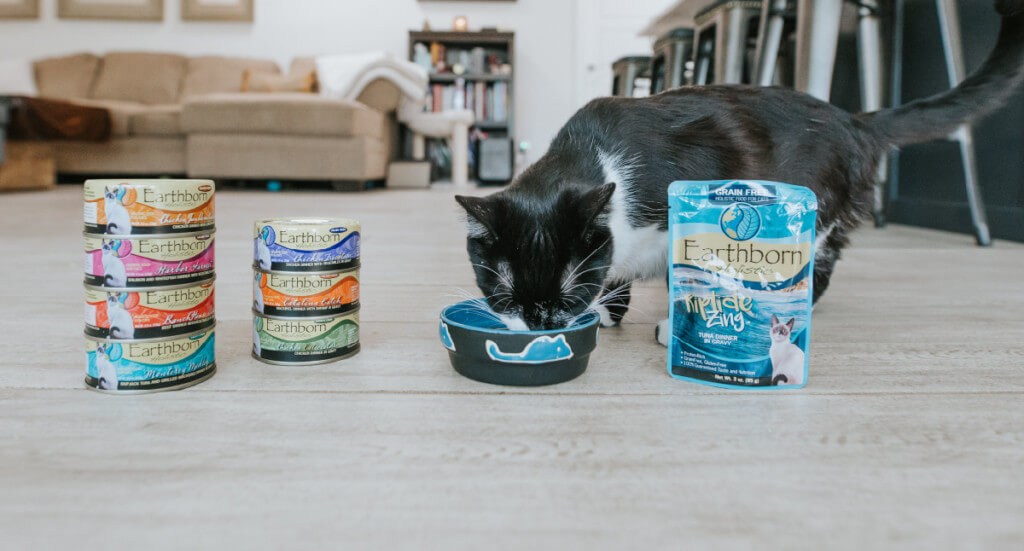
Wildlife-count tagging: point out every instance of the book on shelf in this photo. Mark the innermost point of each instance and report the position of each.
(487, 101)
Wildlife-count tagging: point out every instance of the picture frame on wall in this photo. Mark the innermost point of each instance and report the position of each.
(19, 9)
(217, 10)
(135, 10)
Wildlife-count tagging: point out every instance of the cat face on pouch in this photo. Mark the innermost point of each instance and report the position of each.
(539, 263)
(780, 331)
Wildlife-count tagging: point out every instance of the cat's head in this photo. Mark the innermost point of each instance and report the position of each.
(115, 300)
(110, 246)
(540, 262)
(780, 332)
(110, 194)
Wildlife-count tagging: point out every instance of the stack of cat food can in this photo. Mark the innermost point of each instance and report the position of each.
(149, 271)
(305, 290)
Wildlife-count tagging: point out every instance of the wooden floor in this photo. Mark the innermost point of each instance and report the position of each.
(910, 432)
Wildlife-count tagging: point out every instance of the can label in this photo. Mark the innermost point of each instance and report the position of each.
(304, 294)
(149, 365)
(306, 245)
(147, 314)
(148, 262)
(122, 207)
(305, 340)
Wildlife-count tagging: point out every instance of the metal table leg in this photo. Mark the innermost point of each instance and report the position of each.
(817, 37)
(769, 41)
(869, 52)
(952, 46)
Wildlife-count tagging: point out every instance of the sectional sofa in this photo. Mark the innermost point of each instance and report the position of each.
(176, 115)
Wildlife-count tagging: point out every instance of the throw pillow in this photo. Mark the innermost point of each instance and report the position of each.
(17, 77)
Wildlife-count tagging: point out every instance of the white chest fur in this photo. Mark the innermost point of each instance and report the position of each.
(638, 253)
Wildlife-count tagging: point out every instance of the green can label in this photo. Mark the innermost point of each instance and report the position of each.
(305, 340)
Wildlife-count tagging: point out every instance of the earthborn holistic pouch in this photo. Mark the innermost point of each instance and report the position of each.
(741, 282)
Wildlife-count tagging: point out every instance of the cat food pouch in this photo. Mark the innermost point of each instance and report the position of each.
(741, 266)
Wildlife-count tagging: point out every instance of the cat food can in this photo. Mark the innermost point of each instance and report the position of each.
(144, 313)
(148, 261)
(128, 207)
(302, 341)
(741, 282)
(149, 365)
(304, 294)
(306, 244)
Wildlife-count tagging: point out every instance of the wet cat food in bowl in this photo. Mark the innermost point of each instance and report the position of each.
(480, 347)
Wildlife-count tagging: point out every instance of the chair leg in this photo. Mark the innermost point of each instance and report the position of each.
(769, 40)
(869, 52)
(705, 48)
(460, 155)
(817, 39)
(952, 46)
(733, 38)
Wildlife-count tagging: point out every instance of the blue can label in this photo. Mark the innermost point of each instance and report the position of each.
(306, 244)
(149, 365)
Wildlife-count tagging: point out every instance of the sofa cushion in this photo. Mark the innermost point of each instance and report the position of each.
(212, 74)
(148, 78)
(258, 81)
(157, 120)
(121, 113)
(280, 113)
(66, 77)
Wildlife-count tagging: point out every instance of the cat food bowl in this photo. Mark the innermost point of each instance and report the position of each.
(482, 348)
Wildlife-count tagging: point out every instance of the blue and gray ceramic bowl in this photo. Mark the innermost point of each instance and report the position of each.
(482, 348)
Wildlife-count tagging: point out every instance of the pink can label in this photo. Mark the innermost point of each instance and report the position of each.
(145, 262)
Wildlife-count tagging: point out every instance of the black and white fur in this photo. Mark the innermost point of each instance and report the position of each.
(590, 216)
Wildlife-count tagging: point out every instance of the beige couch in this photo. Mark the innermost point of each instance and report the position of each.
(174, 115)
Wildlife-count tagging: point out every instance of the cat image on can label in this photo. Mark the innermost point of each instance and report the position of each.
(149, 365)
(127, 207)
(305, 340)
(305, 293)
(142, 313)
(147, 261)
(741, 282)
(306, 244)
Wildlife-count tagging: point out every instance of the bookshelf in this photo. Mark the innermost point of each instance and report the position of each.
(485, 85)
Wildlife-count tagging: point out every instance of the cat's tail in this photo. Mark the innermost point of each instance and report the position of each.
(979, 94)
(780, 379)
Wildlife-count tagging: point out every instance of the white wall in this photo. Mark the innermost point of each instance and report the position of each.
(547, 58)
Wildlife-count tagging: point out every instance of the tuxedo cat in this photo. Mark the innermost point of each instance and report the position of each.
(591, 215)
(114, 273)
(118, 220)
(106, 372)
(787, 358)
(122, 326)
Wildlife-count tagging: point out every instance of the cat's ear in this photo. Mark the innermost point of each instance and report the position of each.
(480, 215)
(790, 323)
(775, 320)
(595, 202)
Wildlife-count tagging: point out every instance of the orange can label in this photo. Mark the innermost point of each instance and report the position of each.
(303, 294)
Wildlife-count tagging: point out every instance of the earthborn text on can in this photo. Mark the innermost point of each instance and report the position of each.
(305, 340)
(741, 285)
(143, 313)
(126, 207)
(149, 260)
(306, 244)
(305, 293)
(149, 365)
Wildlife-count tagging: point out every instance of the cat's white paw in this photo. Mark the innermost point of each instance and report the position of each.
(606, 316)
(663, 332)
